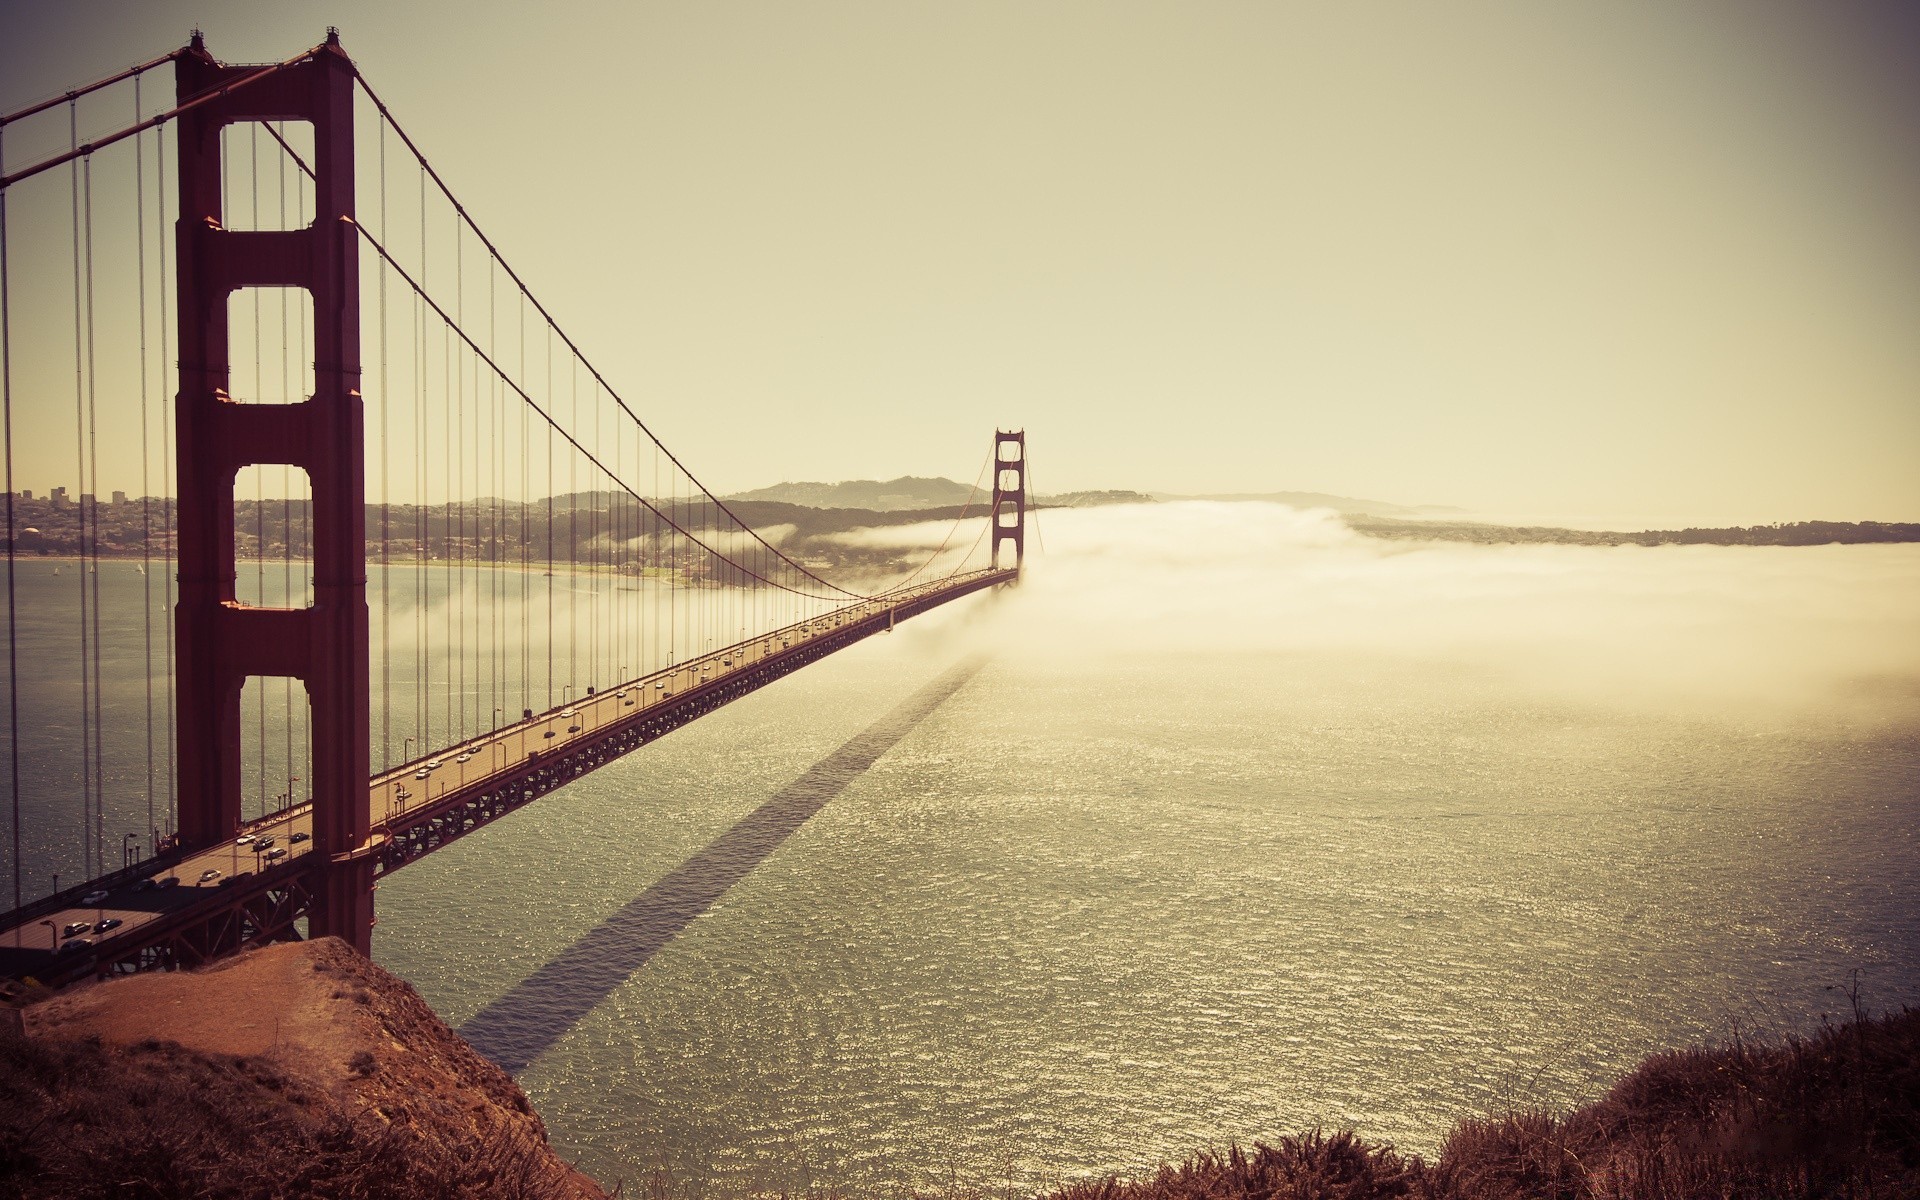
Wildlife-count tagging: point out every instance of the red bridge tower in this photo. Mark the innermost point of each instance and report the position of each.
(1010, 493)
(221, 641)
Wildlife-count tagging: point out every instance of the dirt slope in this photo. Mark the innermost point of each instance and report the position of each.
(298, 1069)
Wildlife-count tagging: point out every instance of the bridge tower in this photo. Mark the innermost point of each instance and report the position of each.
(221, 641)
(1010, 493)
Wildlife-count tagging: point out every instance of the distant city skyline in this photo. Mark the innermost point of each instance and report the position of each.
(1638, 260)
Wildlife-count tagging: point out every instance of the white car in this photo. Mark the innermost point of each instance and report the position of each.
(94, 898)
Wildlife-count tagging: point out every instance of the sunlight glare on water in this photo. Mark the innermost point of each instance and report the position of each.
(1248, 824)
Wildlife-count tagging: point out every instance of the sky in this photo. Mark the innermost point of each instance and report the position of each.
(1651, 262)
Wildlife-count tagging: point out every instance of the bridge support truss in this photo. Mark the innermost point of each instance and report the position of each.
(221, 641)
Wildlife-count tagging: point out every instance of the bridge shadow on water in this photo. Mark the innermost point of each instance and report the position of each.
(522, 1024)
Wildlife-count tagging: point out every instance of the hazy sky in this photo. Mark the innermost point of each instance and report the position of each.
(1640, 259)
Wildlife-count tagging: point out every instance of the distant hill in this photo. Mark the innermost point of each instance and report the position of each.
(1795, 533)
(1345, 505)
(1092, 499)
(893, 495)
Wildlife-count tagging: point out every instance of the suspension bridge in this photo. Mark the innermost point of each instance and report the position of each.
(401, 559)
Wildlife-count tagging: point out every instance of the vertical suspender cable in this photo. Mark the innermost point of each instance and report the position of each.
(526, 533)
(457, 471)
(422, 696)
(80, 451)
(146, 508)
(550, 482)
(166, 469)
(92, 517)
(13, 632)
(286, 483)
(386, 497)
(259, 487)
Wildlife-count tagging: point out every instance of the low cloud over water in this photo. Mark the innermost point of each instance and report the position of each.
(1689, 626)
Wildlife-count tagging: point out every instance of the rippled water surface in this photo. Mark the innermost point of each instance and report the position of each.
(1352, 836)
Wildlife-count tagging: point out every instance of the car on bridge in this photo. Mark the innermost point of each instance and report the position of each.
(210, 874)
(75, 946)
(276, 854)
(299, 837)
(75, 928)
(265, 843)
(99, 897)
(108, 924)
(245, 839)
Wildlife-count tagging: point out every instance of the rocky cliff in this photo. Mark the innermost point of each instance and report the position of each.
(295, 1070)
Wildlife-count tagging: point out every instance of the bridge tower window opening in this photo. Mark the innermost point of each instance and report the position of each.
(266, 167)
(273, 536)
(276, 744)
(270, 345)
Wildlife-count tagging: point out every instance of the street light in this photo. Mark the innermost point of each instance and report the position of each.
(126, 850)
(53, 936)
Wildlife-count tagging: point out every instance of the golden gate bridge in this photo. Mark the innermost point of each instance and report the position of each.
(260, 283)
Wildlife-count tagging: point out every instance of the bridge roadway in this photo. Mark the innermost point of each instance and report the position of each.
(186, 909)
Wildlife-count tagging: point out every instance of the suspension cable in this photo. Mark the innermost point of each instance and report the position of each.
(599, 380)
(954, 528)
(71, 95)
(575, 442)
(467, 219)
(86, 149)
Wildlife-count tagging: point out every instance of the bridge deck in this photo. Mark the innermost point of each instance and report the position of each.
(416, 807)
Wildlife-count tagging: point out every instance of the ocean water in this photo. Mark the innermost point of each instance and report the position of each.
(1244, 825)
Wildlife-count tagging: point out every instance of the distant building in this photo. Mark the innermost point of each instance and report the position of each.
(26, 493)
(119, 497)
(87, 500)
(59, 497)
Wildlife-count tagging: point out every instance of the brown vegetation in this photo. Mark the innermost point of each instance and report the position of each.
(305, 1070)
(1834, 1115)
(295, 1071)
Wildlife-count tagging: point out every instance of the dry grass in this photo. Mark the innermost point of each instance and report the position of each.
(1832, 1115)
(83, 1119)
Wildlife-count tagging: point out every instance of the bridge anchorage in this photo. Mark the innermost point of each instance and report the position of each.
(689, 603)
